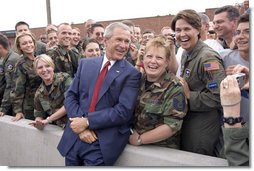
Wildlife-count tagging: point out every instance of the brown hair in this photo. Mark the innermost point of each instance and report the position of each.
(87, 41)
(190, 16)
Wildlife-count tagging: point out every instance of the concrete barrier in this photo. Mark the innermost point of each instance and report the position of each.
(24, 145)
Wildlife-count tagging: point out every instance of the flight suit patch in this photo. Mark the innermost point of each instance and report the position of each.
(211, 66)
(187, 72)
(179, 102)
(10, 67)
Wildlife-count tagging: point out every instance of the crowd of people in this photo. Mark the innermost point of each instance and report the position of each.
(121, 84)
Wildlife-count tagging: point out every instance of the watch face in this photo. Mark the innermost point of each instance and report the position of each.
(231, 121)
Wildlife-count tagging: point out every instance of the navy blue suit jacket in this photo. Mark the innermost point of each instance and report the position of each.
(114, 108)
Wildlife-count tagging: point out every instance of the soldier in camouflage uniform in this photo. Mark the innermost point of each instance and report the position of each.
(65, 60)
(202, 71)
(7, 64)
(2, 80)
(76, 43)
(49, 97)
(26, 80)
(161, 103)
(23, 27)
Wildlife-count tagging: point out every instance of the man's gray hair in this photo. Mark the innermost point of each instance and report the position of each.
(111, 27)
(204, 18)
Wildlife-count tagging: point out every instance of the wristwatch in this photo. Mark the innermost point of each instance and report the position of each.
(49, 121)
(232, 120)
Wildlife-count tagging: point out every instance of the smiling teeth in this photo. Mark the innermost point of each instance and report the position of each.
(184, 40)
(152, 67)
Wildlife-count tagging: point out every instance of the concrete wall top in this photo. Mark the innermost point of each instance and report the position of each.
(24, 145)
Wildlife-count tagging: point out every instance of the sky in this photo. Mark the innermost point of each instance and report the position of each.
(78, 11)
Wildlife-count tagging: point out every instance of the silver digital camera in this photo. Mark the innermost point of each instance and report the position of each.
(240, 77)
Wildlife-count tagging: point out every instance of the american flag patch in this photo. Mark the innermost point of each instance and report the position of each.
(211, 66)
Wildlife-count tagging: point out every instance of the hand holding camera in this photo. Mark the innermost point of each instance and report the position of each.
(242, 76)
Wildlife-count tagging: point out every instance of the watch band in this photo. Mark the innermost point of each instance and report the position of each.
(232, 120)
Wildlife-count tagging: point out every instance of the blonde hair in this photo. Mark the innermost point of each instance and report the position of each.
(159, 42)
(45, 58)
(17, 42)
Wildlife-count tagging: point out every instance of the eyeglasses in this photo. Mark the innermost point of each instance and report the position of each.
(99, 33)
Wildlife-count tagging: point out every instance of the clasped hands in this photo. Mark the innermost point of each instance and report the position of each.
(79, 126)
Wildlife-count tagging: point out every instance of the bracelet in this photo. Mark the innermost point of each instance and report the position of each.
(139, 140)
(230, 105)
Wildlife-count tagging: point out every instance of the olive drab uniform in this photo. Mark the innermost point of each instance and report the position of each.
(7, 67)
(203, 70)
(237, 149)
(78, 48)
(48, 102)
(163, 102)
(26, 83)
(65, 61)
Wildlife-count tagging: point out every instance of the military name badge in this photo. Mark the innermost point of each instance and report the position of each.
(9, 67)
(187, 73)
(213, 85)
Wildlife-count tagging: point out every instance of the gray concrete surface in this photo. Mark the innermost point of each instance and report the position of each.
(24, 145)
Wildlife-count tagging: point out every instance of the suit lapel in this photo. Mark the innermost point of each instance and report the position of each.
(94, 71)
(114, 71)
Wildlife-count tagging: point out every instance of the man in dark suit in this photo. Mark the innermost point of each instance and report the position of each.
(97, 134)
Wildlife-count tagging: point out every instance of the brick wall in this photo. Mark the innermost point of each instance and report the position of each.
(155, 23)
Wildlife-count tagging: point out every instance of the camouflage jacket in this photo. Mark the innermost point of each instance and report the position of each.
(65, 61)
(163, 102)
(47, 102)
(6, 71)
(26, 83)
(2, 80)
